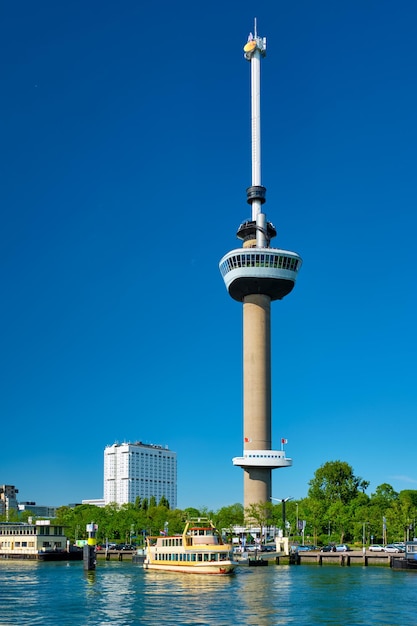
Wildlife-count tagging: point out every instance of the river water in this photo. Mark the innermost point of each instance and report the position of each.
(116, 594)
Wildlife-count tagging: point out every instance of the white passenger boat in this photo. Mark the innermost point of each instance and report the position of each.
(199, 550)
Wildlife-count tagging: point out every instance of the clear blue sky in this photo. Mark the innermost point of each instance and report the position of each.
(125, 134)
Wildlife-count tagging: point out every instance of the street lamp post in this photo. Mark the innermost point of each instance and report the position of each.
(296, 518)
(283, 502)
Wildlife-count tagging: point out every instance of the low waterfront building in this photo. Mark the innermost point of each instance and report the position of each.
(95, 502)
(24, 540)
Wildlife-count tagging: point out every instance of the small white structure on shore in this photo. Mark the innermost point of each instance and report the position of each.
(282, 546)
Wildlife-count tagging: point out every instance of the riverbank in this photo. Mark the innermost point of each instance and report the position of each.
(354, 557)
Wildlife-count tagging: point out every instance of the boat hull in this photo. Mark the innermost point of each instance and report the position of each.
(219, 569)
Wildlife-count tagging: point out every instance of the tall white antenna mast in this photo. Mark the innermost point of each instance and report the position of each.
(254, 50)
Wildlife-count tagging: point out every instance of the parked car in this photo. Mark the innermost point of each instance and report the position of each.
(376, 547)
(252, 548)
(392, 548)
(329, 548)
(306, 548)
(343, 547)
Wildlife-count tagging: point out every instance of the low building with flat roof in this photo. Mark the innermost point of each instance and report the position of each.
(18, 539)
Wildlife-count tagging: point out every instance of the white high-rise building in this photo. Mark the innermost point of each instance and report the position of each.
(134, 470)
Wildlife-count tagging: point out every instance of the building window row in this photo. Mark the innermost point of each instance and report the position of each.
(257, 259)
(192, 557)
(18, 531)
(263, 456)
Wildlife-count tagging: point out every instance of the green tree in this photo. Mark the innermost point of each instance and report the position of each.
(11, 516)
(25, 515)
(408, 501)
(382, 506)
(164, 502)
(334, 489)
(339, 516)
(313, 512)
(259, 514)
(335, 482)
(229, 516)
(384, 495)
(191, 512)
(409, 497)
(359, 518)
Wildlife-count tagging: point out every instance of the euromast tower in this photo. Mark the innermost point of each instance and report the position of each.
(257, 274)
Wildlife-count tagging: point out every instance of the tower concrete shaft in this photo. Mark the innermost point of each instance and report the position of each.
(257, 393)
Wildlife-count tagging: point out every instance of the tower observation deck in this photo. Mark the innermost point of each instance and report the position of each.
(256, 274)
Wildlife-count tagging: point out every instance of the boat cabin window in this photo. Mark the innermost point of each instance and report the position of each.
(206, 557)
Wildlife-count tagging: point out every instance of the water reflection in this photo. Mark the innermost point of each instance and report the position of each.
(188, 598)
(244, 598)
(122, 594)
(13, 576)
(265, 596)
(90, 576)
(115, 586)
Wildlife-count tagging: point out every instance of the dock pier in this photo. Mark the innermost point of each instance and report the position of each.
(344, 559)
